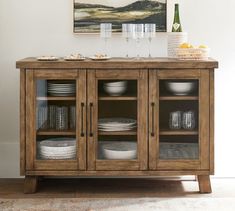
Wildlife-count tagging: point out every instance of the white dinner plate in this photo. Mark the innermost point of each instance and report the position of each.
(99, 59)
(47, 58)
(74, 59)
(116, 121)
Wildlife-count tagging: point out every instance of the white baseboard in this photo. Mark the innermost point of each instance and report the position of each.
(9, 160)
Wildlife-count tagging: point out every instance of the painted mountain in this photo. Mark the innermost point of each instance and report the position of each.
(89, 15)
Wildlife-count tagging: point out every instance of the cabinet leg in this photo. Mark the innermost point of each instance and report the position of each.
(204, 183)
(30, 184)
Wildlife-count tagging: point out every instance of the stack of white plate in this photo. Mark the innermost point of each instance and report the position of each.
(61, 88)
(115, 88)
(122, 150)
(116, 124)
(57, 148)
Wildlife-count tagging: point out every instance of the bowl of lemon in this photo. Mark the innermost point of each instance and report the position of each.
(187, 51)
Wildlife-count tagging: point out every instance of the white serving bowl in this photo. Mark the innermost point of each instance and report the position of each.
(115, 90)
(120, 150)
(119, 155)
(181, 88)
(117, 83)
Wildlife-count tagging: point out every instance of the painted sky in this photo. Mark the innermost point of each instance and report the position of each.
(112, 3)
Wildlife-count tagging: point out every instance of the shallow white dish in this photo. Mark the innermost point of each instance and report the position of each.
(58, 157)
(47, 58)
(61, 88)
(116, 121)
(100, 59)
(74, 59)
(119, 150)
(115, 129)
(58, 144)
(180, 88)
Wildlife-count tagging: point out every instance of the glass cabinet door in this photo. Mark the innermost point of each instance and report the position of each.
(178, 126)
(119, 133)
(54, 131)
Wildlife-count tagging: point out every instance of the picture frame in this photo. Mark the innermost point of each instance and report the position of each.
(89, 14)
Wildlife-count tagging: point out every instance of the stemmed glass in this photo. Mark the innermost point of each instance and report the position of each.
(137, 35)
(105, 32)
(150, 30)
(127, 33)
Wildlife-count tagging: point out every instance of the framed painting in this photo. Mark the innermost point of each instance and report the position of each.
(89, 14)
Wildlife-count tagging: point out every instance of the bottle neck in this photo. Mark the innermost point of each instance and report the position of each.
(177, 12)
(176, 24)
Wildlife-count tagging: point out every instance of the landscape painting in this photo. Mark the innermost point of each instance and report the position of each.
(89, 14)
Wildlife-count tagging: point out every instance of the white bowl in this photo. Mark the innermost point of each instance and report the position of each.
(121, 150)
(117, 83)
(119, 155)
(181, 88)
(115, 90)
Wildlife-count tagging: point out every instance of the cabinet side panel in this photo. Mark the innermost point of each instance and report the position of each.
(204, 117)
(22, 122)
(30, 119)
(211, 121)
(143, 119)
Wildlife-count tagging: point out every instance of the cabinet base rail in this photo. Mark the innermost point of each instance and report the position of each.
(31, 182)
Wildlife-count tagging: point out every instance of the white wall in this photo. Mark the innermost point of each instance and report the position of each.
(33, 28)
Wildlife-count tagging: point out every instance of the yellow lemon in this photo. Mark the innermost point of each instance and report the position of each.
(203, 46)
(186, 45)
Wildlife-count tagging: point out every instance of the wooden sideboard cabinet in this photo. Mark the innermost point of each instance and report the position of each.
(168, 132)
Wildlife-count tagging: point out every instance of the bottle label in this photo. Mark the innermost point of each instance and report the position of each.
(176, 26)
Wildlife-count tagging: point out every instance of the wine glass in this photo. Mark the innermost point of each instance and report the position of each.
(138, 33)
(105, 32)
(127, 30)
(150, 29)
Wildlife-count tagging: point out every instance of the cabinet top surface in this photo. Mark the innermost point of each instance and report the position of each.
(131, 63)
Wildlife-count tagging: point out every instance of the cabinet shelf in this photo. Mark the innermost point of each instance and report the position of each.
(179, 98)
(55, 98)
(118, 133)
(126, 97)
(56, 132)
(178, 132)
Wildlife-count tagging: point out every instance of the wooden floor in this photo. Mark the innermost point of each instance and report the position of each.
(115, 188)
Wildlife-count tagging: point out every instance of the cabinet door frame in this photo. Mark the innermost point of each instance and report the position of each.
(202, 75)
(114, 74)
(32, 75)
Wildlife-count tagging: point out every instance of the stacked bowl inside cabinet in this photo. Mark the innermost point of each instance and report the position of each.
(57, 148)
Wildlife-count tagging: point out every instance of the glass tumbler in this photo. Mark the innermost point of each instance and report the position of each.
(175, 120)
(127, 31)
(105, 33)
(138, 34)
(149, 31)
(72, 119)
(188, 121)
(61, 118)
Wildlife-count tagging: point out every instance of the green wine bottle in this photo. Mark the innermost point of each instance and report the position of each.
(176, 27)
